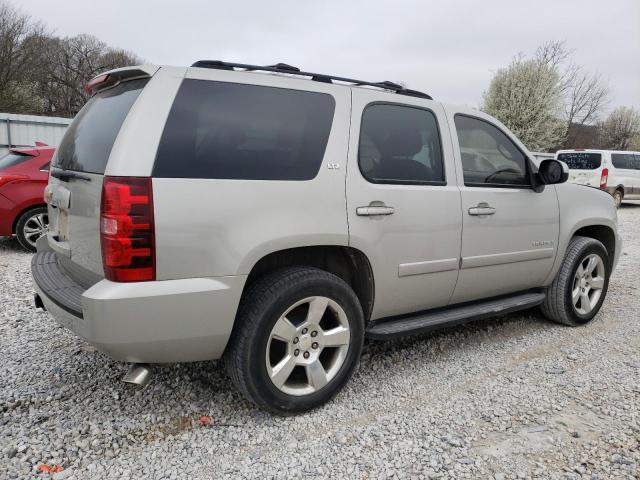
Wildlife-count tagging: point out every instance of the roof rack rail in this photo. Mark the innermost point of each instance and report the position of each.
(317, 77)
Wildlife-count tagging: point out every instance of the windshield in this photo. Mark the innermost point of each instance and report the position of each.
(581, 160)
(87, 143)
(11, 159)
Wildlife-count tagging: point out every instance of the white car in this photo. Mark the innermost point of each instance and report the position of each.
(617, 172)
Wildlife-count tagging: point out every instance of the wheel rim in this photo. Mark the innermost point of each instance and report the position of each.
(307, 346)
(588, 283)
(35, 226)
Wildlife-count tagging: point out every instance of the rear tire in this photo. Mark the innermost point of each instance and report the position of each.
(297, 340)
(579, 289)
(618, 195)
(31, 225)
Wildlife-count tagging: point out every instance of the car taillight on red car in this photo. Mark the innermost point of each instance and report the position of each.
(604, 178)
(127, 233)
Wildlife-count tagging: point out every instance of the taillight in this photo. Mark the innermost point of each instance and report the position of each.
(4, 179)
(604, 178)
(127, 233)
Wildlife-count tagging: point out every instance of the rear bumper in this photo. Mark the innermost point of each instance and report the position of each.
(151, 322)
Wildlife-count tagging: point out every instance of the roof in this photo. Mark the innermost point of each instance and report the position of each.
(286, 69)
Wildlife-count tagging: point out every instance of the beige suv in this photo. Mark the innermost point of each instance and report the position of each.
(277, 218)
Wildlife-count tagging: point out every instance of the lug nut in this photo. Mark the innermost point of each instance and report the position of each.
(296, 352)
(306, 355)
(295, 340)
(304, 331)
(314, 333)
(314, 345)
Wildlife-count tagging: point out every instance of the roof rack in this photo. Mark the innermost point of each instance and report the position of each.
(317, 77)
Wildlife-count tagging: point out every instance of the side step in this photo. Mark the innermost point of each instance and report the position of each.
(422, 322)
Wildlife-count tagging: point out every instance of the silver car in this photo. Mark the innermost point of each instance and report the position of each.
(277, 218)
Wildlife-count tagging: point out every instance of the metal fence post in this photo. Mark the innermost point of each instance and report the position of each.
(9, 132)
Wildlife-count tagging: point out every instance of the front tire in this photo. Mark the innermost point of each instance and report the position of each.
(297, 340)
(579, 289)
(31, 225)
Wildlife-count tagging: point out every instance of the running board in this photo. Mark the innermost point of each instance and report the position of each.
(422, 322)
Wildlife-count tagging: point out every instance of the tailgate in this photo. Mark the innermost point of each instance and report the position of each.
(77, 170)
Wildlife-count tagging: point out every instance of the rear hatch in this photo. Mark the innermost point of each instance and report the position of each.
(585, 168)
(78, 167)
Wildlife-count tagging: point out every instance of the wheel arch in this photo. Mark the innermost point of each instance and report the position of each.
(347, 263)
(22, 212)
(603, 234)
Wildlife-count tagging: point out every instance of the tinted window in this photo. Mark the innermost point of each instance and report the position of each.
(234, 131)
(636, 159)
(11, 159)
(581, 160)
(400, 145)
(488, 155)
(87, 143)
(622, 160)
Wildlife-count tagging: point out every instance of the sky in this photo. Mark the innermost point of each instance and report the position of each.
(448, 49)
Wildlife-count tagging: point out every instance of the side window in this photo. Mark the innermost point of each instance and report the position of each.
(489, 157)
(234, 131)
(621, 160)
(636, 161)
(400, 144)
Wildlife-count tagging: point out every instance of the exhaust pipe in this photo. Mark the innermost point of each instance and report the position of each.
(139, 374)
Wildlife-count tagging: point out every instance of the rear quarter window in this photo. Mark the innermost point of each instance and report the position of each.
(581, 160)
(87, 143)
(225, 130)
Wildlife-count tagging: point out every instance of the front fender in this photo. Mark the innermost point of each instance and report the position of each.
(581, 206)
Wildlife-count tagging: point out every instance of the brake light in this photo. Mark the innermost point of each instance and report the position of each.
(604, 178)
(127, 233)
(4, 179)
(98, 83)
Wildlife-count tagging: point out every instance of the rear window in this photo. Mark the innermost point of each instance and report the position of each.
(233, 131)
(581, 160)
(87, 143)
(11, 159)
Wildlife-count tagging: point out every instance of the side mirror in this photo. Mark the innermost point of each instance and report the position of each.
(552, 171)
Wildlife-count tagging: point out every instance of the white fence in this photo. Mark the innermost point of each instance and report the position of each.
(25, 130)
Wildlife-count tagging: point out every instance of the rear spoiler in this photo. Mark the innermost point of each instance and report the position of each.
(114, 77)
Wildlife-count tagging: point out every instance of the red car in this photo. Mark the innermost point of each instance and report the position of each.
(23, 176)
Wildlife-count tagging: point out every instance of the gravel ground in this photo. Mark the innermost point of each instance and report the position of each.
(509, 397)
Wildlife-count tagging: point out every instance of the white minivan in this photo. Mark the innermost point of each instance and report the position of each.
(617, 172)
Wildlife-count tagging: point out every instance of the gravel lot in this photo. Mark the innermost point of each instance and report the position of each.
(509, 397)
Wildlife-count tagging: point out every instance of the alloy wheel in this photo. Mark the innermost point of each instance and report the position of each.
(588, 283)
(307, 346)
(35, 226)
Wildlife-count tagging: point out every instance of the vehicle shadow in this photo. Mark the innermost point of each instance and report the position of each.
(10, 244)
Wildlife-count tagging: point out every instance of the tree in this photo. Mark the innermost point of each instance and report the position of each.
(20, 39)
(44, 74)
(72, 62)
(526, 97)
(584, 94)
(621, 129)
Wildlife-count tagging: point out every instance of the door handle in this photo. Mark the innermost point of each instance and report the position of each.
(482, 208)
(374, 210)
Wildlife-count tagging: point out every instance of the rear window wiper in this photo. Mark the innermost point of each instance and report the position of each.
(65, 175)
